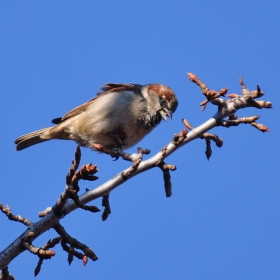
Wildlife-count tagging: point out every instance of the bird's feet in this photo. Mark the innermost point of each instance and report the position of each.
(118, 152)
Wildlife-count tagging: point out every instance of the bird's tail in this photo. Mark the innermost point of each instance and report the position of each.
(33, 138)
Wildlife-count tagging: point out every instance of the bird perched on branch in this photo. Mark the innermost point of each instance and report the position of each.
(118, 117)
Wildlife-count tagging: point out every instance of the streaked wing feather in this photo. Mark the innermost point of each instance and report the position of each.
(78, 110)
(56, 120)
(110, 87)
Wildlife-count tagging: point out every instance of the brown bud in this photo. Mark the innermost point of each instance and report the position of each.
(50, 253)
(70, 257)
(260, 127)
(187, 124)
(30, 234)
(146, 151)
(85, 260)
(37, 269)
(204, 102)
(232, 95)
(223, 91)
(192, 77)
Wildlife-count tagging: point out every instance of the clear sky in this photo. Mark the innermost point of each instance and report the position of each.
(222, 221)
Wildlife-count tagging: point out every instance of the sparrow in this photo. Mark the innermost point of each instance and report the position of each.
(118, 117)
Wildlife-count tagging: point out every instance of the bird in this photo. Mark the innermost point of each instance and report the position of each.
(119, 117)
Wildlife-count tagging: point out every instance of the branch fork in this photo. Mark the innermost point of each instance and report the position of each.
(64, 206)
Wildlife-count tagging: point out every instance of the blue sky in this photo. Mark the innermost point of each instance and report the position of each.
(222, 221)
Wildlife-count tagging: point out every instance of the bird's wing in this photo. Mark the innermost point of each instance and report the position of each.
(110, 87)
(74, 112)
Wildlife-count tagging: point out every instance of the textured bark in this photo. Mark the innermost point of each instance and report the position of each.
(226, 108)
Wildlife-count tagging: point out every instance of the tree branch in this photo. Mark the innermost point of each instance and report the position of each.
(226, 108)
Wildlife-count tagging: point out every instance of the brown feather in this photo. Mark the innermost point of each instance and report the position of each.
(31, 134)
(165, 92)
(33, 138)
(78, 110)
(110, 87)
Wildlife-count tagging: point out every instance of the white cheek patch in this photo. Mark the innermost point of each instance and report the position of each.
(145, 93)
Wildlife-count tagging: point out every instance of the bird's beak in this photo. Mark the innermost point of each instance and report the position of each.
(165, 112)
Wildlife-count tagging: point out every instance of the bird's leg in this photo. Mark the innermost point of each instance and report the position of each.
(120, 136)
(136, 159)
(118, 152)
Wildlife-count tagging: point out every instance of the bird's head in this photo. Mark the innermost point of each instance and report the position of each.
(161, 100)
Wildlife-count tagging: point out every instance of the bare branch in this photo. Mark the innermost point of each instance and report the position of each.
(17, 218)
(107, 208)
(167, 177)
(74, 243)
(226, 108)
(5, 275)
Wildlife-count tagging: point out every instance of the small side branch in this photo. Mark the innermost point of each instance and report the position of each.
(165, 168)
(209, 94)
(107, 208)
(73, 177)
(208, 138)
(167, 177)
(64, 206)
(74, 244)
(5, 275)
(246, 99)
(42, 252)
(85, 173)
(136, 159)
(179, 138)
(17, 218)
(246, 120)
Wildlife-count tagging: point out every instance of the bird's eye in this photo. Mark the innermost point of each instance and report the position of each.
(163, 102)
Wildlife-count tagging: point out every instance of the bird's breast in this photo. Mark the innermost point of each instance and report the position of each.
(113, 120)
